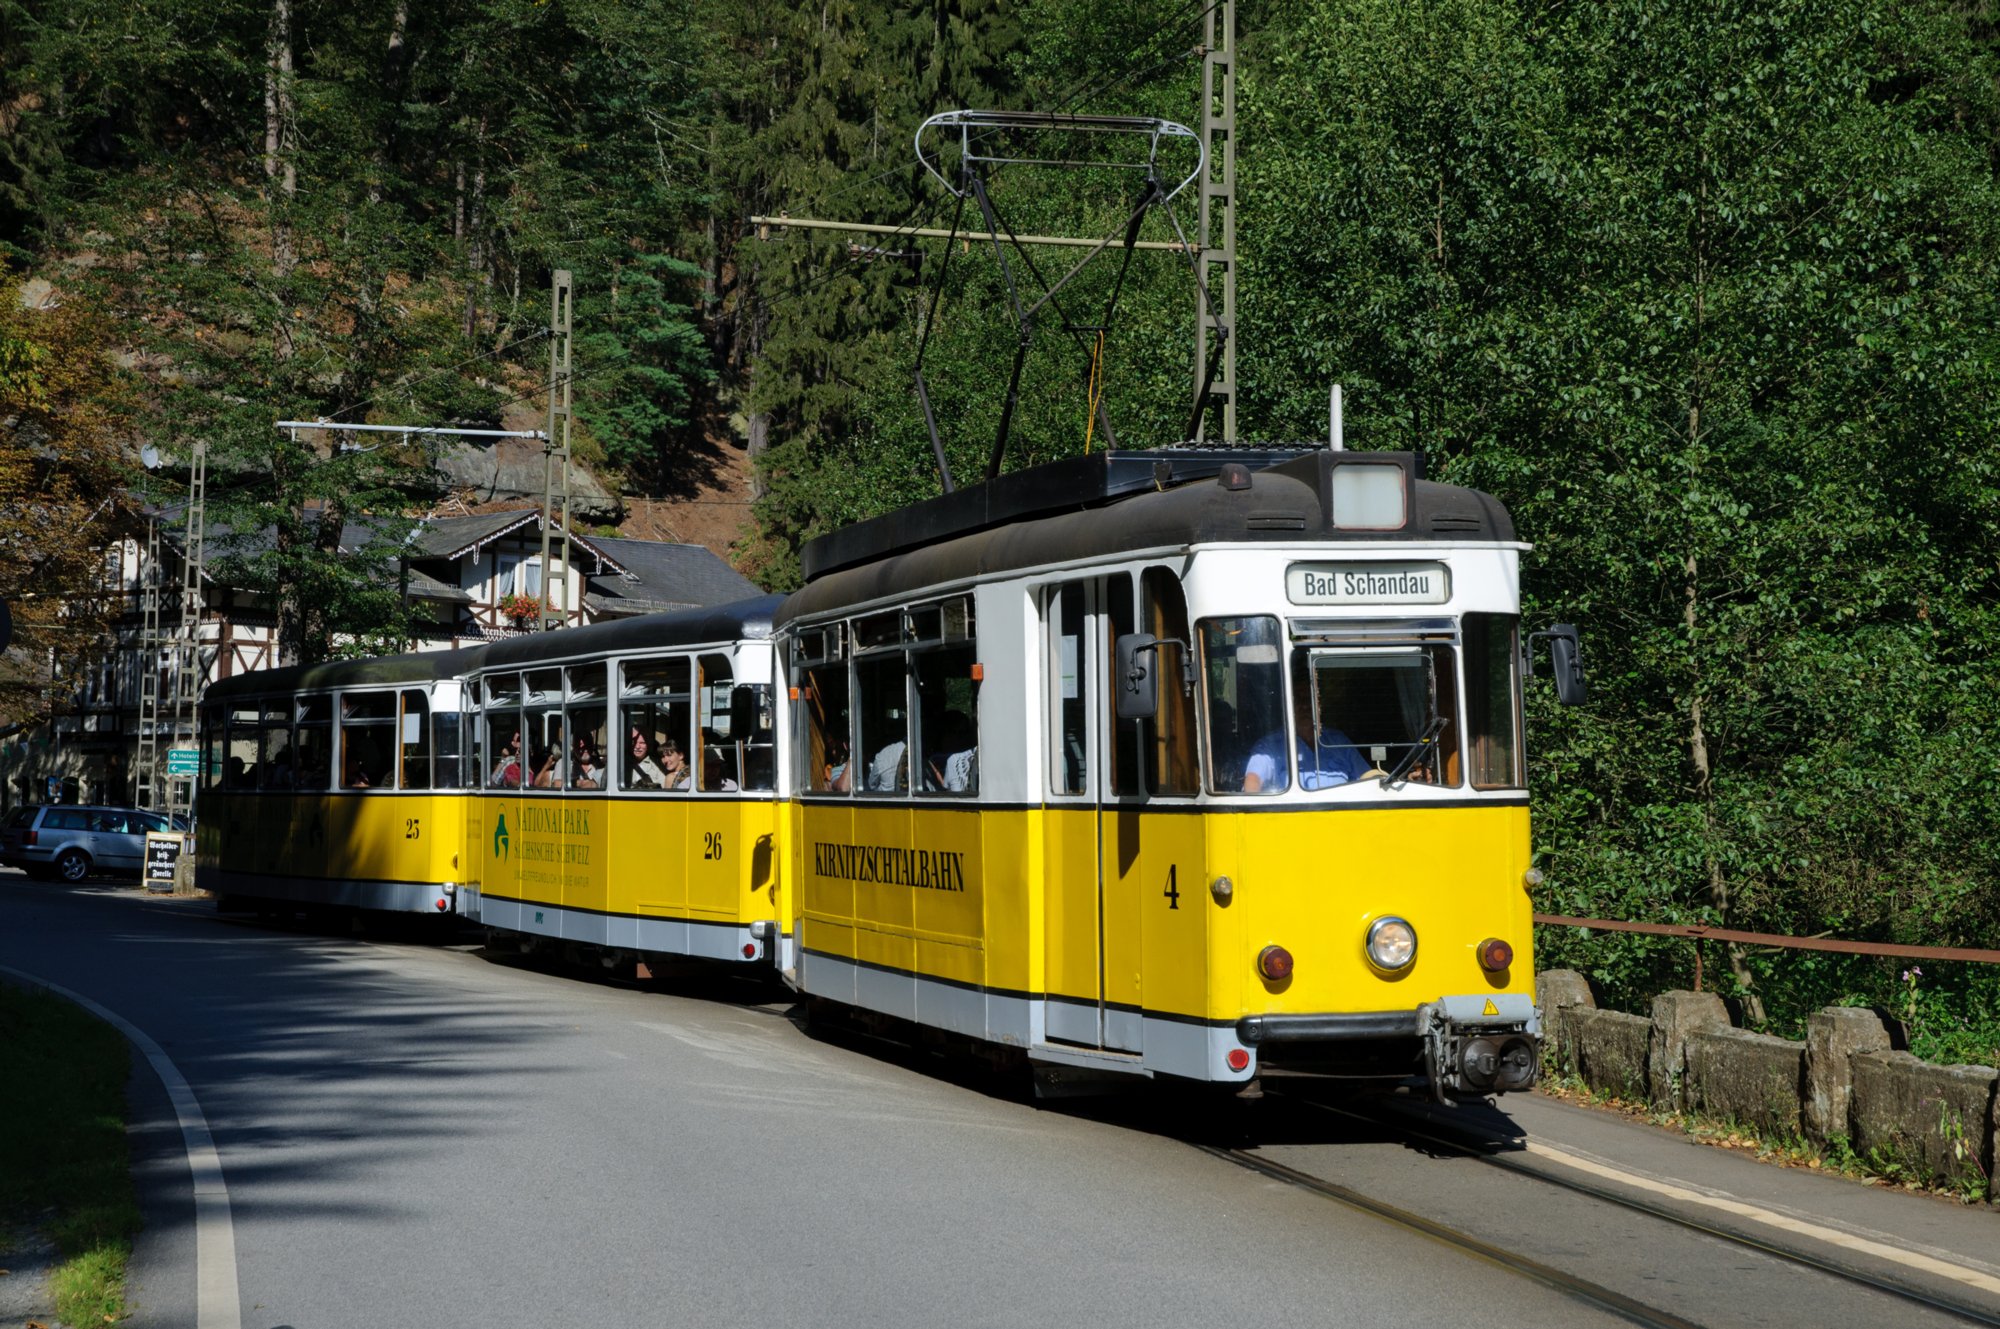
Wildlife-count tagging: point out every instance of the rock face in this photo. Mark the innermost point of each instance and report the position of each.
(513, 468)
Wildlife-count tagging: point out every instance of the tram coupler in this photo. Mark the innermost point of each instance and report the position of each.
(1474, 1046)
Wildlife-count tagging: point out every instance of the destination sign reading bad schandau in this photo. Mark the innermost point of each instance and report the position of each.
(1368, 583)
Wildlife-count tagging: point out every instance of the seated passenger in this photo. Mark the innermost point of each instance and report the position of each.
(642, 772)
(837, 767)
(889, 771)
(589, 774)
(507, 770)
(953, 766)
(715, 777)
(674, 762)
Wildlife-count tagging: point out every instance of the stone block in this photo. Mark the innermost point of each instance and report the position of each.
(1934, 1121)
(1560, 993)
(1678, 1017)
(1610, 1048)
(1745, 1077)
(1833, 1037)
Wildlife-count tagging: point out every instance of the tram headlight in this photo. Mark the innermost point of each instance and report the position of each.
(1392, 943)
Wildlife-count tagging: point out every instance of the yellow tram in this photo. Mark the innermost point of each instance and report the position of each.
(337, 784)
(1177, 763)
(1183, 763)
(629, 781)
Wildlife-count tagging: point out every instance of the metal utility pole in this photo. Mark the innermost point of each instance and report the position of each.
(145, 774)
(557, 443)
(1215, 325)
(189, 677)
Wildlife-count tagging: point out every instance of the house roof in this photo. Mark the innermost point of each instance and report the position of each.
(669, 575)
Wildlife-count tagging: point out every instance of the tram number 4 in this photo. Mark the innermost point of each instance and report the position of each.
(711, 844)
(413, 828)
(1173, 891)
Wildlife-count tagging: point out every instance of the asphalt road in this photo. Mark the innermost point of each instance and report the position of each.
(418, 1135)
(421, 1134)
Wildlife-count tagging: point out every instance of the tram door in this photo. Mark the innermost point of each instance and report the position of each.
(1090, 936)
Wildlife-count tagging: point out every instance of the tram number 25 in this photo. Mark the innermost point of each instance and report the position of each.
(413, 828)
(711, 844)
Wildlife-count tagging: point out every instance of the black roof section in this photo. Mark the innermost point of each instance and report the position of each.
(743, 620)
(416, 667)
(671, 575)
(1112, 503)
(1071, 485)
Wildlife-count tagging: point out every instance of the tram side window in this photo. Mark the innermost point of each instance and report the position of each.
(718, 760)
(588, 716)
(1070, 692)
(753, 726)
(367, 740)
(825, 733)
(416, 739)
(1243, 663)
(274, 746)
(1377, 712)
(1168, 739)
(504, 756)
(881, 702)
(239, 763)
(450, 770)
(211, 749)
(1124, 733)
(312, 746)
(947, 719)
(656, 707)
(542, 725)
(1493, 700)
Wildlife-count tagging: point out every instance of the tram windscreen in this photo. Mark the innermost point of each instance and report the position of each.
(1493, 700)
(1333, 716)
(1379, 712)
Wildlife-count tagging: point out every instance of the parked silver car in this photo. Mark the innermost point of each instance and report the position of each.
(72, 840)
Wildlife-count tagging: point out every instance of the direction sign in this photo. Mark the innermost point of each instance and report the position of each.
(183, 761)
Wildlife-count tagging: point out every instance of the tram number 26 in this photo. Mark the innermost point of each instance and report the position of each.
(711, 844)
(413, 828)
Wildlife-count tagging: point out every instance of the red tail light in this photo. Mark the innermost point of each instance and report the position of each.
(749, 950)
(1275, 963)
(33, 837)
(1495, 955)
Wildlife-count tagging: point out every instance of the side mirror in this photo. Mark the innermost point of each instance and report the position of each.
(1138, 676)
(1565, 663)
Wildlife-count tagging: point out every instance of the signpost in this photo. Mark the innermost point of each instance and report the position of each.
(183, 761)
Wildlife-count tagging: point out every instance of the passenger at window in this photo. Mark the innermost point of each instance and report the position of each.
(673, 762)
(642, 772)
(589, 774)
(837, 772)
(715, 777)
(889, 771)
(507, 770)
(551, 768)
(1328, 761)
(953, 765)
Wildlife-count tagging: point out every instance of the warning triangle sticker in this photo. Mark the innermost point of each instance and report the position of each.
(1491, 1009)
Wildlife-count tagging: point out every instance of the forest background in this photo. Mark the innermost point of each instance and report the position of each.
(1704, 290)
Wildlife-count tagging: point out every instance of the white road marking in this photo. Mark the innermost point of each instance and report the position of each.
(1771, 1218)
(216, 1301)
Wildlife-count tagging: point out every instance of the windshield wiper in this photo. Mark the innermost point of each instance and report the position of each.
(1428, 737)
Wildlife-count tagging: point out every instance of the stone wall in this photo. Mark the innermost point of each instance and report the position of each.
(1843, 1083)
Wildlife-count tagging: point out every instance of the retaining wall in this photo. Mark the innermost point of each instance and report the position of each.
(1934, 1123)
